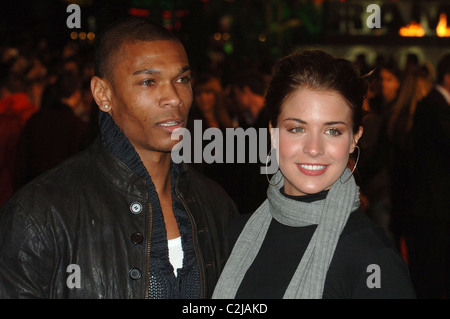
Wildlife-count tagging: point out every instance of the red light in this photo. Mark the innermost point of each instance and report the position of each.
(139, 12)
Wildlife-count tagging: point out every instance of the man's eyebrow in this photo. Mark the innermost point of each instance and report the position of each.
(185, 69)
(147, 71)
(156, 71)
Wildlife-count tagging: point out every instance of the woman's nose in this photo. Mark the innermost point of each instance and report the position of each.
(313, 146)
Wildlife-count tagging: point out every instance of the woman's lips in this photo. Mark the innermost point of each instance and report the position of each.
(312, 169)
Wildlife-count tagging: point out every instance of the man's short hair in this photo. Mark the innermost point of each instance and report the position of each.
(129, 29)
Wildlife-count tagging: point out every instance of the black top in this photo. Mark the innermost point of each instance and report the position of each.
(364, 259)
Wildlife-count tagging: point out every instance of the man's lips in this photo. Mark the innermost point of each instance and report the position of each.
(312, 169)
(171, 124)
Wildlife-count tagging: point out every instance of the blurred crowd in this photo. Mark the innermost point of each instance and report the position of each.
(46, 109)
(47, 114)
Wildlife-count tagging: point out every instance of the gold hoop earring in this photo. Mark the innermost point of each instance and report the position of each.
(267, 177)
(354, 167)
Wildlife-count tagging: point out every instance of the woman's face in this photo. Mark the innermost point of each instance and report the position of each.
(315, 140)
(389, 85)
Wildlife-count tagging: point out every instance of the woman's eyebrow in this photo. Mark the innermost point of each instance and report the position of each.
(295, 119)
(304, 122)
(335, 122)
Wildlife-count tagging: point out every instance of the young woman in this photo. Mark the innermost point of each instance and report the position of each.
(309, 239)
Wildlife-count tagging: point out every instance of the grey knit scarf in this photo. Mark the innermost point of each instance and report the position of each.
(330, 215)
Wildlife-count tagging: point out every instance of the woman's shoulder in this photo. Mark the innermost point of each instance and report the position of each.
(362, 243)
(360, 225)
(366, 264)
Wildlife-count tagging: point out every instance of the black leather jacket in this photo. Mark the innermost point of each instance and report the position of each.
(92, 211)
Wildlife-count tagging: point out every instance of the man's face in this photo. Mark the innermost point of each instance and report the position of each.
(151, 93)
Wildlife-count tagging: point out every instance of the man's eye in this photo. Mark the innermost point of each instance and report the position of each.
(148, 82)
(184, 79)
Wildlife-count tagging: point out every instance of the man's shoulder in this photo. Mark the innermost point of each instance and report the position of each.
(62, 178)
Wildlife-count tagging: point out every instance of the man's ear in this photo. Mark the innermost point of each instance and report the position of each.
(100, 89)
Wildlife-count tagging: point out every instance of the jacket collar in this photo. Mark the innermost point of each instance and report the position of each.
(128, 166)
(116, 172)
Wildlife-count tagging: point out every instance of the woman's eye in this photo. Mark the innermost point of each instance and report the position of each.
(334, 132)
(297, 129)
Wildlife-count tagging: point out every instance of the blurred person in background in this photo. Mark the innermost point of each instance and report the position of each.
(15, 110)
(209, 103)
(53, 134)
(428, 229)
(248, 186)
(375, 147)
(209, 107)
(249, 88)
(416, 84)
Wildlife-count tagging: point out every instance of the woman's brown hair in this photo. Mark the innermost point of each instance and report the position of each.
(316, 70)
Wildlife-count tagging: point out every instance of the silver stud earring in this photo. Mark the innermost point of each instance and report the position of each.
(106, 107)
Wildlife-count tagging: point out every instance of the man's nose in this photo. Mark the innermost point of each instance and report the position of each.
(170, 97)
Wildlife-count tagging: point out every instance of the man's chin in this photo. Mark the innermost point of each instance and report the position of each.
(164, 149)
(161, 150)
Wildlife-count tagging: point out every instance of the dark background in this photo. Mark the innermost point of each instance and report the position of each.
(248, 32)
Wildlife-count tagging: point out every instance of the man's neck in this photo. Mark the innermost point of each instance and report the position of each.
(158, 167)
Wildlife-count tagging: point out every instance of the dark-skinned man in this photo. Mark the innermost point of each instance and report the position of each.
(130, 221)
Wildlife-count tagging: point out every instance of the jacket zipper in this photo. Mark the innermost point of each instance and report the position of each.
(197, 255)
(148, 251)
